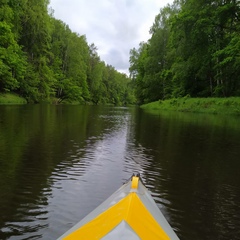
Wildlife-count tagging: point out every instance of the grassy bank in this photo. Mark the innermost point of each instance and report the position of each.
(229, 106)
(9, 98)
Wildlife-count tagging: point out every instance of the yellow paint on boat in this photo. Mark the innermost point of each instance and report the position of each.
(131, 204)
(135, 182)
(127, 209)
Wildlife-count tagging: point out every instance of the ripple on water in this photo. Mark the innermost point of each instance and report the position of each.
(90, 167)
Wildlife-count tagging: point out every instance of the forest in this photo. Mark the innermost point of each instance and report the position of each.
(42, 60)
(193, 51)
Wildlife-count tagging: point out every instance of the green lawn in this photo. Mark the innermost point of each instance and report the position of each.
(202, 105)
(9, 98)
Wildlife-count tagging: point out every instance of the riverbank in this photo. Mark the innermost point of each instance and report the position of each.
(228, 106)
(9, 98)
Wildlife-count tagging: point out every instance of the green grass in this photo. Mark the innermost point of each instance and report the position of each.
(229, 106)
(9, 98)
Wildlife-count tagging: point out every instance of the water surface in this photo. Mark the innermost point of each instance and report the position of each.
(57, 163)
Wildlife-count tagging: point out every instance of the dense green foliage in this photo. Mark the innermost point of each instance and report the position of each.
(194, 50)
(41, 59)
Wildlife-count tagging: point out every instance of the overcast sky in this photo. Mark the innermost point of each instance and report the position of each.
(114, 26)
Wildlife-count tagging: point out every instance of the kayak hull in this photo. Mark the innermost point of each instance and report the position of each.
(129, 213)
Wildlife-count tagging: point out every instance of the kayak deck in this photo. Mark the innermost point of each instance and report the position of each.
(130, 213)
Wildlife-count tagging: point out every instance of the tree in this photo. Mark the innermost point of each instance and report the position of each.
(42, 59)
(12, 60)
(192, 51)
(203, 29)
(149, 65)
(137, 71)
(95, 71)
(35, 39)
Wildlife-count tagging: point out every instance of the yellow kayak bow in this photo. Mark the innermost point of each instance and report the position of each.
(130, 213)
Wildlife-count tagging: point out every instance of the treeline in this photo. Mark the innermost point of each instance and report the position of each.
(41, 59)
(194, 50)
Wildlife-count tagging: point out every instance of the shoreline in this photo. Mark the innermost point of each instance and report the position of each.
(223, 106)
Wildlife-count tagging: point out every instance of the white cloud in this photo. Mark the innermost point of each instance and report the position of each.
(114, 26)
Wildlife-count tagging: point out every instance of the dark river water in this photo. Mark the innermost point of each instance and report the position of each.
(57, 163)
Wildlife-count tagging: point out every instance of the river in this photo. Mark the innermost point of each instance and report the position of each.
(57, 163)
